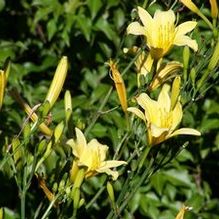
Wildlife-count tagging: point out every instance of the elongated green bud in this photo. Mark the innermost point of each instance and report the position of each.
(215, 58)
(186, 56)
(212, 64)
(110, 191)
(175, 91)
(193, 76)
(68, 105)
(58, 131)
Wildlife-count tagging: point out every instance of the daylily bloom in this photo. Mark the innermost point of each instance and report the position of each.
(161, 33)
(91, 156)
(161, 116)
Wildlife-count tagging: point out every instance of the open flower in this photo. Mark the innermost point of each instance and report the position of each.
(161, 117)
(92, 156)
(161, 33)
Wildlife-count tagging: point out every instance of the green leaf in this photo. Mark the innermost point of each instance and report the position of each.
(2, 4)
(51, 28)
(94, 6)
(99, 130)
(85, 25)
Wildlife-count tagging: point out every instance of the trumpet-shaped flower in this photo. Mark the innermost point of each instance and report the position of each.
(161, 117)
(92, 156)
(161, 33)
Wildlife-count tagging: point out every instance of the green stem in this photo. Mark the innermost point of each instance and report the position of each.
(23, 195)
(49, 208)
(143, 158)
(95, 197)
(98, 112)
(124, 200)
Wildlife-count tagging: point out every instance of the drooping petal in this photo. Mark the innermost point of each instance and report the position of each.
(186, 41)
(111, 163)
(164, 99)
(186, 131)
(145, 17)
(137, 112)
(185, 27)
(110, 172)
(136, 29)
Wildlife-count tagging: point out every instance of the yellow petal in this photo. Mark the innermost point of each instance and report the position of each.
(87, 158)
(186, 41)
(145, 17)
(177, 114)
(157, 131)
(185, 27)
(150, 106)
(186, 131)
(136, 29)
(164, 98)
(167, 17)
(111, 163)
(113, 173)
(81, 143)
(137, 112)
(102, 149)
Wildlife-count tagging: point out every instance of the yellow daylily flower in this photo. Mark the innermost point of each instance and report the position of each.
(160, 118)
(161, 33)
(92, 156)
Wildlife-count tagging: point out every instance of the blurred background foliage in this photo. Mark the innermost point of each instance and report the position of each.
(35, 34)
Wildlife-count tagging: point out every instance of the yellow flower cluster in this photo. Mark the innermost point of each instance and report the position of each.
(161, 116)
